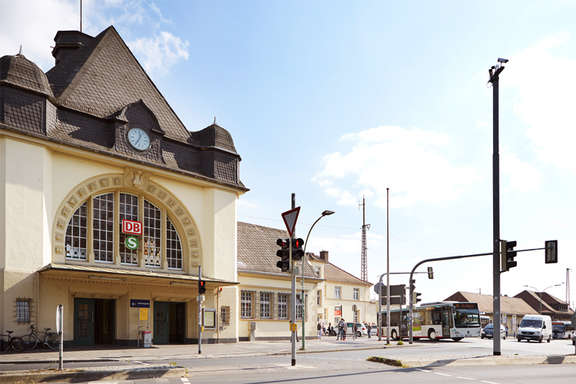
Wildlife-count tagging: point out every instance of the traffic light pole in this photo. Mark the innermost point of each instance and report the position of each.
(293, 296)
(494, 79)
(411, 305)
(199, 312)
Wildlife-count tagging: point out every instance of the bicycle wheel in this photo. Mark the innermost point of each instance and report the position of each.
(29, 341)
(52, 340)
(17, 344)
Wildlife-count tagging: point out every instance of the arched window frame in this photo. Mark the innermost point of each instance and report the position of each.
(165, 217)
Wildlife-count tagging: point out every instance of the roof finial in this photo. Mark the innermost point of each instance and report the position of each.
(20, 51)
(214, 120)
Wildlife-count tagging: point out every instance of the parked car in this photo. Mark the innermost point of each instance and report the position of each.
(562, 330)
(535, 327)
(488, 331)
(361, 330)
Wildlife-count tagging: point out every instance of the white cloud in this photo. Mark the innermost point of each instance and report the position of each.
(160, 52)
(545, 83)
(412, 162)
(157, 52)
(519, 175)
(34, 27)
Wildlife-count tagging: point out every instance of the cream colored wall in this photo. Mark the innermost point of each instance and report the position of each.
(367, 310)
(25, 239)
(270, 328)
(36, 179)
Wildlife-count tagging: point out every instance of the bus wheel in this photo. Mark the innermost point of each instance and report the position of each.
(394, 335)
(432, 334)
(456, 338)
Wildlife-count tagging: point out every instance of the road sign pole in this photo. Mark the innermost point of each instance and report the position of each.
(293, 287)
(199, 313)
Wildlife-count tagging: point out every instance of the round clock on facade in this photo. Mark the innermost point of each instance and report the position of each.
(139, 139)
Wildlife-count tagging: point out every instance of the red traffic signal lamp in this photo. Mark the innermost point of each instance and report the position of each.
(297, 251)
(201, 287)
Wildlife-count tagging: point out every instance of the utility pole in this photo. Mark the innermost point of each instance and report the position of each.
(293, 288)
(568, 286)
(494, 72)
(387, 266)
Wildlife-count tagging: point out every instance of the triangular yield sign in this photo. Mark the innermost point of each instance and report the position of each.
(290, 217)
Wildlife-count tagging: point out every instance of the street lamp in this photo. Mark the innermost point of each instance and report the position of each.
(540, 292)
(304, 258)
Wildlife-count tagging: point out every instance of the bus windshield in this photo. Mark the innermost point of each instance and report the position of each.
(466, 318)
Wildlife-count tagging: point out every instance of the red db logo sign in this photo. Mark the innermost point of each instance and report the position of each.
(132, 227)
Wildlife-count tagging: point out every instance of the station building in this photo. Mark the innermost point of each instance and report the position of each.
(85, 147)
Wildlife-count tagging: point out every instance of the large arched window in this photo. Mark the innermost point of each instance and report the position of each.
(94, 233)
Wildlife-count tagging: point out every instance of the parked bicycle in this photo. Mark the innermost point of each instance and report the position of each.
(13, 344)
(33, 340)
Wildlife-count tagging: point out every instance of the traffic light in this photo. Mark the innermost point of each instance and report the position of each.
(412, 286)
(284, 254)
(297, 251)
(416, 297)
(201, 287)
(551, 251)
(507, 255)
(430, 273)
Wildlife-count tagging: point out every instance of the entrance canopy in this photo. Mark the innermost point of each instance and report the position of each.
(128, 276)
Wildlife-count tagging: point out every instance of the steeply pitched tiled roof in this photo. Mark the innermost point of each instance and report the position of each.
(257, 249)
(337, 274)
(18, 70)
(508, 305)
(85, 99)
(103, 77)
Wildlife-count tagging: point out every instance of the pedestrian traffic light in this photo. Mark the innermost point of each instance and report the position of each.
(507, 255)
(284, 254)
(201, 287)
(297, 251)
(430, 273)
(416, 297)
(551, 251)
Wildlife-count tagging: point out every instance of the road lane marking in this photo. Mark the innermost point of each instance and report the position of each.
(487, 382)
(441, 374)
(185, 380)
(423, 370)
(464, 378)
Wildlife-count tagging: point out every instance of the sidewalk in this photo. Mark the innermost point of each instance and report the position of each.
(189, 351)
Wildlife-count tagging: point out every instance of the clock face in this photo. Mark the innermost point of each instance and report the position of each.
(139, 139)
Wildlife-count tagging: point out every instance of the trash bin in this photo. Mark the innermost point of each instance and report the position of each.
(147, 338)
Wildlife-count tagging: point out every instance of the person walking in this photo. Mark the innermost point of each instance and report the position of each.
(354, 330)
(319, 329)
(368, 328)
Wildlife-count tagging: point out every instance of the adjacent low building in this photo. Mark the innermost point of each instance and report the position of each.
(512, 309)
(330, 293)
(546, 304)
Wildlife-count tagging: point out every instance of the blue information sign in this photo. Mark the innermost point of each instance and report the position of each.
(139, 303)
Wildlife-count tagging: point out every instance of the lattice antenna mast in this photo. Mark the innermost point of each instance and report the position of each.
(364, 250)
(568, 286)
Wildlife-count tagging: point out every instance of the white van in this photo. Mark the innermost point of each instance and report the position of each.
(535, 327)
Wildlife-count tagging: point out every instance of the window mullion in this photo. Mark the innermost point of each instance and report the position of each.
(89, 232)
(163, 253)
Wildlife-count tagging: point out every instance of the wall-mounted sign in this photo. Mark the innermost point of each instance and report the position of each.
(338, 311)
(209, 318)
(139, 303)
(131, 242)
(132, 227)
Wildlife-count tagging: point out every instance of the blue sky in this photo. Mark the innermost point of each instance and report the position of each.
(333, 100)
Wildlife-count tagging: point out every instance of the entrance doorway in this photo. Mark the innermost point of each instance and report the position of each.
(169, 322)
(94, 321)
